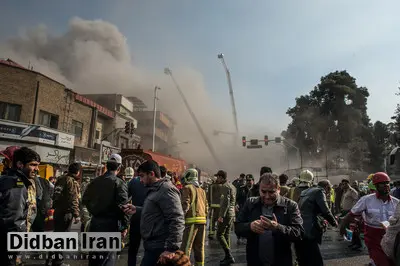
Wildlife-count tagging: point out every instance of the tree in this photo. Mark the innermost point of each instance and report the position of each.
(332, 119)
(378, 144)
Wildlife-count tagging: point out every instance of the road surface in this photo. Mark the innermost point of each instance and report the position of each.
(334, 250)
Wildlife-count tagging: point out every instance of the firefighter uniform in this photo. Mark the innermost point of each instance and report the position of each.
(195, 208)
(227, 212)
(305, 181)
(214, 197)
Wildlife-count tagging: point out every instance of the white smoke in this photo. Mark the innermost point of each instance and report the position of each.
(94, 57)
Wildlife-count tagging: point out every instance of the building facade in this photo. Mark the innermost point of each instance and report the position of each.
(123, 109)
(164, 131)
(29, 98)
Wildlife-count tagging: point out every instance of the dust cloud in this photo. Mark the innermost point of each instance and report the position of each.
(93, 56)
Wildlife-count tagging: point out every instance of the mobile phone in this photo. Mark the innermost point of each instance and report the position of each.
(385, 224)
(268, 216)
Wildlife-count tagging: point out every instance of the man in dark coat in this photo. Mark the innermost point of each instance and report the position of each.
(314, 209)
(270, 223)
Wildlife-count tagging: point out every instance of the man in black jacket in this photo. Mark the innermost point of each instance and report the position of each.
(14, 198)
(104, 198)
(270, 223)
(314, 209)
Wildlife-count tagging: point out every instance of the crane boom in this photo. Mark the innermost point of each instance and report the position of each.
(228, 76)
(203, 135)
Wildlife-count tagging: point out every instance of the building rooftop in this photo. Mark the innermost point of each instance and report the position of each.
(138, 105)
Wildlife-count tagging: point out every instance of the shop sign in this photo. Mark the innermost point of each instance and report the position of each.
(26, 133)
(107, 151)
(52, 155)
(35, 133)
(133, 160)
(65, 140)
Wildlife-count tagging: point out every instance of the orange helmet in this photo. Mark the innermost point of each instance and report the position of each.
(380, 177)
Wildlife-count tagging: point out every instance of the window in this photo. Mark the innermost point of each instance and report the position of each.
(97, 134)
(77, 128)
(48, 119)
(10, 111)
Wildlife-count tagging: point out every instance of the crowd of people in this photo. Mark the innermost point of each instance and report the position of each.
(280, 223)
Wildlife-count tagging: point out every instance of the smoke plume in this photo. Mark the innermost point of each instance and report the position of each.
(94, 57)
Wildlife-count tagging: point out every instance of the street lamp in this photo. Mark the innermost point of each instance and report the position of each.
(155, 117)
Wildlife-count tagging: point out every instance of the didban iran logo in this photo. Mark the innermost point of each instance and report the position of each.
(64, 241)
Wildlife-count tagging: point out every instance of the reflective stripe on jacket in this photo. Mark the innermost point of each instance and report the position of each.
(194, 205)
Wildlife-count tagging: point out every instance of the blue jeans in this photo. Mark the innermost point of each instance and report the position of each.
(151, 257)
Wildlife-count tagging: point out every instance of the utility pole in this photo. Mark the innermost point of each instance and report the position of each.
(155, 117)
(299, 152)
(167, 71)
(228, 76)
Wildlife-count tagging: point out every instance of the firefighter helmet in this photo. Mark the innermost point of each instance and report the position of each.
(129, 171)
(306, 176)
(380, 177)
(191, 175)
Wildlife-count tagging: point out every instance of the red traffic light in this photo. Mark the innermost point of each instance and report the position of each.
(244, 141)
(266, 140)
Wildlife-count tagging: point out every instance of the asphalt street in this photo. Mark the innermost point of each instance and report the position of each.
(335, 252)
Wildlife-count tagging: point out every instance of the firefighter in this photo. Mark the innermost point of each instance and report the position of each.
(226, 216)
(305, 181)
(214, 196)
(195, 208)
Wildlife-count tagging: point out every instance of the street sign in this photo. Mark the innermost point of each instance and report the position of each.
(278, 140)
(254, 142)
(254, 147)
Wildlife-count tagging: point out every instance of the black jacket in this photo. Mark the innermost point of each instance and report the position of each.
(255, 190)
(290, 229)
(13, 201)
(242, 195)
(312, 205)
(103, 197)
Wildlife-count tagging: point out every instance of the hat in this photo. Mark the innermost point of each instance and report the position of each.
(9, 152)
(116, 158)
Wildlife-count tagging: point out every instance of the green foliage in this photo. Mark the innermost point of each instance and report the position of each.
(333, 119)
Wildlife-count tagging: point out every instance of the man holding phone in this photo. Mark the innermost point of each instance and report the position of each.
(270, 223)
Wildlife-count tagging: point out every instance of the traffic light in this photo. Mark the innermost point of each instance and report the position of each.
(132, 128)
(127, 127)
(244, 141)
(266, 140)
(278, 140)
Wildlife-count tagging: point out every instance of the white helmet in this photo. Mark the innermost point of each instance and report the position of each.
(306, 176)
(129, 172)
